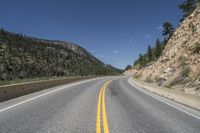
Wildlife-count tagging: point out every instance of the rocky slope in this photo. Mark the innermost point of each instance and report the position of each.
(179, 65)
(27, 57)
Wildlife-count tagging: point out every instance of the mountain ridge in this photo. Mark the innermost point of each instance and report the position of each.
(30, 57)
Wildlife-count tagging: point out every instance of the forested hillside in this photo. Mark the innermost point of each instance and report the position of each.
(26, 57)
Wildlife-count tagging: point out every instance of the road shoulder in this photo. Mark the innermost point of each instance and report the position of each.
(184, 102)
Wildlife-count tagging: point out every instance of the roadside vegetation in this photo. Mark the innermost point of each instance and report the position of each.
(17, 81)
(185, 71)
(138, 76)
(196, 49)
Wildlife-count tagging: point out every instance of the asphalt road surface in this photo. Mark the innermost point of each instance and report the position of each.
(101, 105)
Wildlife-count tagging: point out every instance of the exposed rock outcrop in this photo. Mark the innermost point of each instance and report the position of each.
(179, 65)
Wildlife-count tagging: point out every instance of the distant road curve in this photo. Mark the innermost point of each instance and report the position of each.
(100, 105)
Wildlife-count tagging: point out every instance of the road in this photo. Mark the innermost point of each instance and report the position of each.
(106, 104)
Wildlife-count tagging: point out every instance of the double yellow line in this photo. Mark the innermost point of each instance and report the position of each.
(101, 108)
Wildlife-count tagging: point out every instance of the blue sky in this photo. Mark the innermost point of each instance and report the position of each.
(115, 31)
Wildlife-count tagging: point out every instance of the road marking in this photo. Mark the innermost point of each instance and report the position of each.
(98, 120)
(44, 94)
(102, 107)
(105, 121)
(159, 99)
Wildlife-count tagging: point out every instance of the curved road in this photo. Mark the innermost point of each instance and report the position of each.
(107, 104)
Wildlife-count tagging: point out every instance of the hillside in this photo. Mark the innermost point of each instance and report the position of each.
(179, 64)
(26, 57)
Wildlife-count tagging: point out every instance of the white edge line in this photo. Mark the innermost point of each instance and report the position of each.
(44, 94)
(150, 94)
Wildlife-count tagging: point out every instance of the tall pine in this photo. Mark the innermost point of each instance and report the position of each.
(158, 48)
(187, 7)
(150, 54)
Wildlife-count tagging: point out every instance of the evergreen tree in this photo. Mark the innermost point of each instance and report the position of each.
(168, 30)
(150, 54)
(158, 48)
(141, 59)
(1, 33)
(128, 67)
(187, 7)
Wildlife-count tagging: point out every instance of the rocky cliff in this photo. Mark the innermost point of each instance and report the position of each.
(179, 65)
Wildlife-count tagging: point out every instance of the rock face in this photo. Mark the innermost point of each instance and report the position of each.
(179, 65)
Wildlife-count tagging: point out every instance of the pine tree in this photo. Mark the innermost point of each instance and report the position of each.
(158, 48)
(141, 60)
(187, 7)
(128, 67)
(150, 54)
(168, 30)
(1, 50)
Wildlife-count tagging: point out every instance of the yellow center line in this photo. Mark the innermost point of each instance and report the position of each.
(105, 121)
(98, 120)
(101, 105)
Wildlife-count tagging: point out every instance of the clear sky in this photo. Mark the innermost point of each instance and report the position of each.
(115, 31)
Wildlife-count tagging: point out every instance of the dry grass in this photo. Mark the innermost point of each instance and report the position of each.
(17, 81)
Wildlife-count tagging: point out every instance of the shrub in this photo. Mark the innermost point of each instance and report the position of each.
(149, 80)
(185, 72)
(137, 76)
(178, 80)
(169, 86)
(182, 61)
(196, 48)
